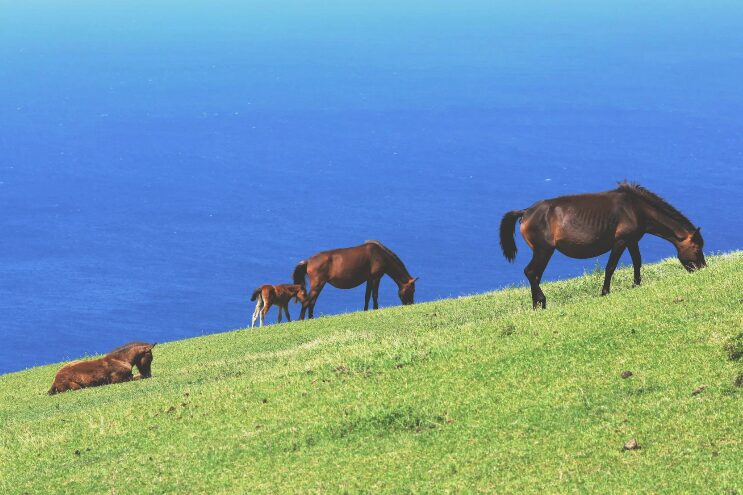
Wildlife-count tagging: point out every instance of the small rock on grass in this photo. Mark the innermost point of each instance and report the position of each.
(699, 390)
(626, 374)
(632, 445)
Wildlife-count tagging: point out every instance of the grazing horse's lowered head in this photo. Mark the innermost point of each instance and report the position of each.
(407, 291)
(689, 249)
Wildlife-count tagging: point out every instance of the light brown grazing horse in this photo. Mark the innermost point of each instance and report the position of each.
(588, 225)
(114, 367)
(280, 295)
(347, 268)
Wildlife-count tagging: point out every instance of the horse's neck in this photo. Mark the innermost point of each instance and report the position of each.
(396, 270)
(125, 358)
(663, 226)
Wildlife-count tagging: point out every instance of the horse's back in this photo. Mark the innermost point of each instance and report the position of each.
(344, 268)
(578, 225)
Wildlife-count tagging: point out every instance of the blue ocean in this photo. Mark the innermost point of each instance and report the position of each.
(159, 160)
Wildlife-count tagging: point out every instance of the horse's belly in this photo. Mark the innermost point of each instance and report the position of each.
(583, 248)
(346, 283)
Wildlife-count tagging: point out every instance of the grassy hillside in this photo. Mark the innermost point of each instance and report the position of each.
(478, 394)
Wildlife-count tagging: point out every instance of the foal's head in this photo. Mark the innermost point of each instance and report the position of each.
(407, 291)
(690, 251)
(137, 354)
(300, 295)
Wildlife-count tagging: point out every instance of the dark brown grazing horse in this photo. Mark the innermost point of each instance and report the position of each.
(588, 225)
(347, 268)
(114, 367)
(280, 295)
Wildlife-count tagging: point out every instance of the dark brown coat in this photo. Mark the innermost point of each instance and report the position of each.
(589, 225)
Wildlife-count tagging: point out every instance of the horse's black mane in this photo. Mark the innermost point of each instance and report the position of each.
(389, 252)
(656, 201)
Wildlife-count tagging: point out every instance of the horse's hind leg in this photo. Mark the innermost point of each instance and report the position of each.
(367, 295)
(257, 311)
(534, 271)
(280, 313)
(266, 306)
(314, 294)
(611, 265)
(286, 310)
(634, 251)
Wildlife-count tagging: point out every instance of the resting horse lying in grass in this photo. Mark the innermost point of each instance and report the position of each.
(280, 295)
(114, 367)
(589, 225)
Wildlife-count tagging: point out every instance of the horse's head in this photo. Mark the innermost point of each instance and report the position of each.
(137, 354)
(690, 251)
(143, 362)
(407, 291)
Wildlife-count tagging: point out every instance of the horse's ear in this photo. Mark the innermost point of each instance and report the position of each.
(697, 235)
(153, 345)
(415, 279)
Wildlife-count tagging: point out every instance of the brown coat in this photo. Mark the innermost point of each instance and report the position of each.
(114, 367)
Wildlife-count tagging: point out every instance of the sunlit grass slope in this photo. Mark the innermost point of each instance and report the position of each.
(479, 394)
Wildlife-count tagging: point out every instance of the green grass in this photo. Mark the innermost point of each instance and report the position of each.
(478, 394)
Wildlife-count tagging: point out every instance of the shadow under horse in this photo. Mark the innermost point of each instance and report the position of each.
(347, 268)
(114, 367)
(589, 225)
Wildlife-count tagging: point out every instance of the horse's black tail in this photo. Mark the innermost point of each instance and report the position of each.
(507, 228)
(256, 293)
(300, 272)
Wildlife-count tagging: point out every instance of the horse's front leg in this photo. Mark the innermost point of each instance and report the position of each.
(121, 375)
(286, 310)
(375, 292)
(367, 296)
(634, 251)
(281, 309)
(611, 265)
(534, 271)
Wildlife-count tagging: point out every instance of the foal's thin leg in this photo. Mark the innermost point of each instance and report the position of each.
(286, 310)
(611, 265)
(264, 311)
(634, 251)
(257, 311)
(280, 313)
(534, 271)
(367, 295)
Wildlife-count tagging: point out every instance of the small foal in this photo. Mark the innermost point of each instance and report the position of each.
(280, 295)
